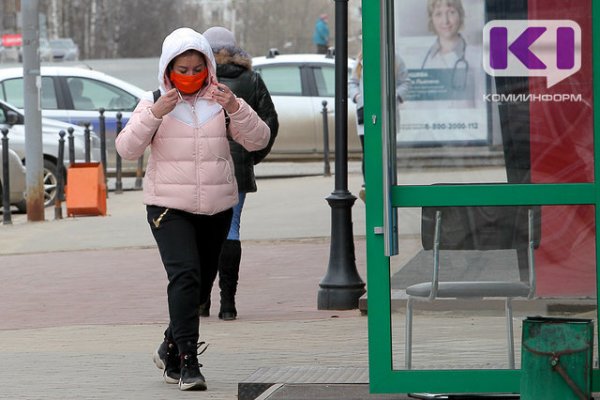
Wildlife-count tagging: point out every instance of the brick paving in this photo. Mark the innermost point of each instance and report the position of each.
(83, 300)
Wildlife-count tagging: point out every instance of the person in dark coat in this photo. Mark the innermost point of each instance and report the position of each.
(234, 69)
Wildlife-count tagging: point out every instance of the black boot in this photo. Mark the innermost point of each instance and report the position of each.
(229, 269)
(207, 279)
(204, 309)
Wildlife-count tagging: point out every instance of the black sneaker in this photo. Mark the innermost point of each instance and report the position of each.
(166, 357)
(191, 377)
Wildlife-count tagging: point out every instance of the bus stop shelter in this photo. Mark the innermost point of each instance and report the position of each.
(522, 77)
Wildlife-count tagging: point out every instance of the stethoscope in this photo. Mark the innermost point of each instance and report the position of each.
(458, 79)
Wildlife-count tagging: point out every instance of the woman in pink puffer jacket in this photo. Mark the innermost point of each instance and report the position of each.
(189, 185)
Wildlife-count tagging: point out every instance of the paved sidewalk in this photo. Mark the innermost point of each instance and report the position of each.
(84, 324)
(83, 302)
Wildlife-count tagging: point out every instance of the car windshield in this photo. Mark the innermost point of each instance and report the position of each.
(64, 44)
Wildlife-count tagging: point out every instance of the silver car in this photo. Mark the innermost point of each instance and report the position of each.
(17, 179)
(298, 84)
(14, 120)
(64, 49)
(9, 54)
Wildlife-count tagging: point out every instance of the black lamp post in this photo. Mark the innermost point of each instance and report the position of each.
(341, 287)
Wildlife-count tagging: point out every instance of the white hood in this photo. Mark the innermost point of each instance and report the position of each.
(177, 42)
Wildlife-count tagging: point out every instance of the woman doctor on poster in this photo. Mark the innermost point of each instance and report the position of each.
(450, 49)
(446, 19)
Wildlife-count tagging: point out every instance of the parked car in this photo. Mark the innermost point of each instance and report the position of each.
(9, 54)
(14, 120)
(17, 180)
(298, 84)
(74, 95)
(64, 49)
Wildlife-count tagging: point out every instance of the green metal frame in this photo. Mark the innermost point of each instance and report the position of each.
(383, 378)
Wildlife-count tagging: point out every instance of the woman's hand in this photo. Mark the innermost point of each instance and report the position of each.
(225, 97)
(165, 104)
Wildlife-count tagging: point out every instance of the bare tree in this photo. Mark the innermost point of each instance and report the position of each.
(54, 15)
(113, 35)
(118, 28)
(283, 24)
(91, 36)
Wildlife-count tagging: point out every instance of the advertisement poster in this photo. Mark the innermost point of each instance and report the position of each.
(442, 58)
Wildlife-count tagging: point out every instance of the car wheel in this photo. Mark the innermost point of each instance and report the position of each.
(50, 183)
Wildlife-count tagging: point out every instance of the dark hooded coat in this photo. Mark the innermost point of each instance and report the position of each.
(234, 69)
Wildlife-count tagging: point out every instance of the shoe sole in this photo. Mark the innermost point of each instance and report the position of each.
(192, 386)
(161, 365)
(227, 316)
(157, 360)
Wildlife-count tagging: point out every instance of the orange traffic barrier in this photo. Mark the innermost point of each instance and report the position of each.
(86, 189)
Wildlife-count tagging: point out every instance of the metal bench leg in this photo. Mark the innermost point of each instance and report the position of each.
(509, 334)
(408, 335)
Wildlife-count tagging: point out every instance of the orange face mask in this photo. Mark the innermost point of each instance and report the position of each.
(188, 84)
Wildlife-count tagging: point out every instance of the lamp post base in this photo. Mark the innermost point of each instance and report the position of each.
(342, 287)
(339, 298)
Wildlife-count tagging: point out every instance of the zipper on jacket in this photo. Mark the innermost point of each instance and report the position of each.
(198, 150)
(196, 128)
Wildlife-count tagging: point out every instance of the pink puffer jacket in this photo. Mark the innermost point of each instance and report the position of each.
(190, 166)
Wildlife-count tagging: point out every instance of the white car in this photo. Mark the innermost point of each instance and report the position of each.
(14, 121)
(298, 84)
(74, 95)
(17, 180)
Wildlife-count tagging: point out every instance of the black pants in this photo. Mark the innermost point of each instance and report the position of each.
(189, 246)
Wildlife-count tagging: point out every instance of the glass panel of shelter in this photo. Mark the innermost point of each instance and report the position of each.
(458, 124)
(487, 246)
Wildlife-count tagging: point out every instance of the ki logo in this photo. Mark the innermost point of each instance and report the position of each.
(550, 48)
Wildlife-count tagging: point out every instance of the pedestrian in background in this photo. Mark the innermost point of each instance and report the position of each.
(189, 185)
(234, 69)
(321, 34)
(356, 93)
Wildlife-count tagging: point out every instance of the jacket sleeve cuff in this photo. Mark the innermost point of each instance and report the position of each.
(152, 116)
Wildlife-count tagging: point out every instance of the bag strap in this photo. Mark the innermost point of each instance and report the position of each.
(156, 95)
